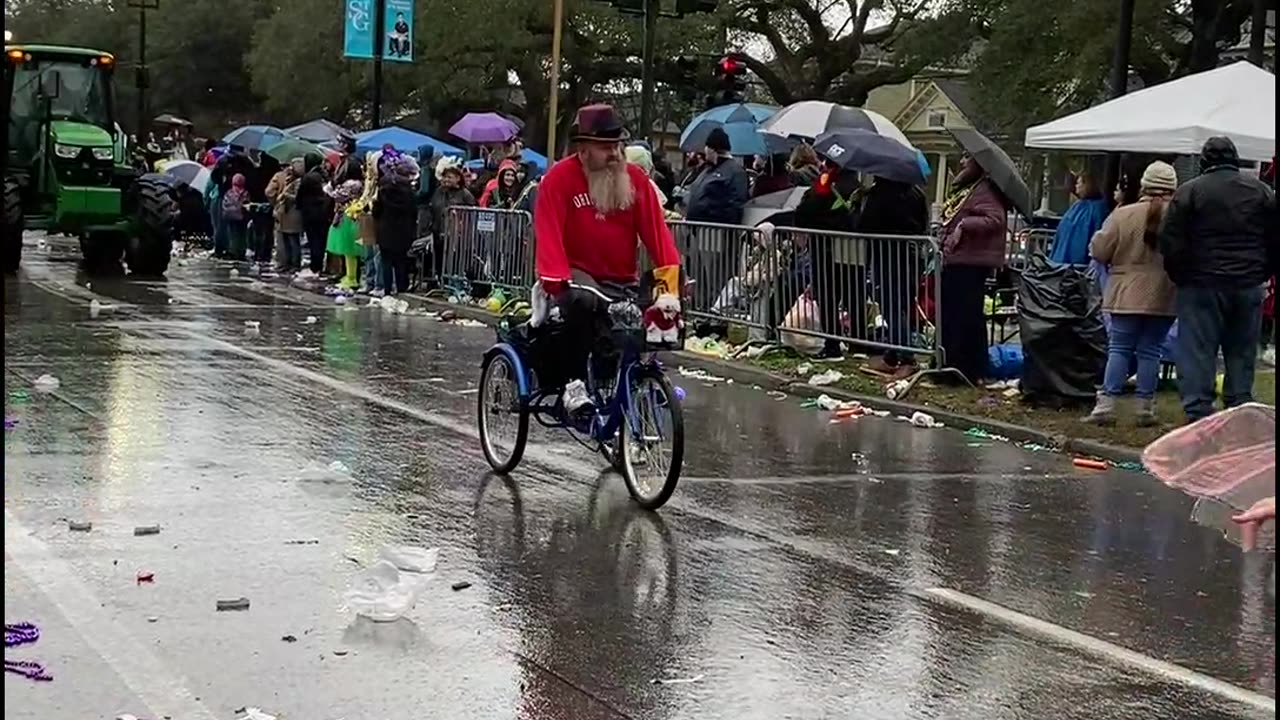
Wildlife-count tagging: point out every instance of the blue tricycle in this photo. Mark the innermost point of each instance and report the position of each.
(637, 423)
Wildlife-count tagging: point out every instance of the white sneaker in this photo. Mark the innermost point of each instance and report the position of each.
(1269, 356)
(377, 293)
(636, 453)
(575, 397)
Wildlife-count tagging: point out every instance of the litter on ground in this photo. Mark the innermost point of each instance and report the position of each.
(233, 604)
(830, 377)
(1089, 464)
(47, 383)
(923, 420)
(382, 593)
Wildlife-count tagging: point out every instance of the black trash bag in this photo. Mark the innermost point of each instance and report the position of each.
(1064, 341)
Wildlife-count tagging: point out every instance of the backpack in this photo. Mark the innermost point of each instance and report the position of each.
(233, 206)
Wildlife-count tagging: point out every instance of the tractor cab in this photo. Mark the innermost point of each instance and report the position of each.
(66, 166)
(61, 134)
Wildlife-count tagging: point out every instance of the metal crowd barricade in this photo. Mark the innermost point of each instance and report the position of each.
(865, 290)
(728, 271)
(486, 249)
(1027, 243)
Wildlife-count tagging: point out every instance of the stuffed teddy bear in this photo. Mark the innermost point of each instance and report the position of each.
(662, 321)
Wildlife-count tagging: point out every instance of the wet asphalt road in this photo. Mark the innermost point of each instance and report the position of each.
(802, 570)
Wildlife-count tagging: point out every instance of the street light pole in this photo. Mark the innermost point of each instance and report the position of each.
(553, 104)
(1258, 33)
(1119, 85)
(651, 10)
(379, 37)
(140, 77)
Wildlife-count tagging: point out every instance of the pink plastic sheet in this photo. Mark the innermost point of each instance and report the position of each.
(1227, 460)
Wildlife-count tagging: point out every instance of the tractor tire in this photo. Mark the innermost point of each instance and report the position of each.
(155, 209)
(12, 225)
(102, 252)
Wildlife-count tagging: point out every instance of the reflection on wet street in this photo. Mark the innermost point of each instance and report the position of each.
(802, 569)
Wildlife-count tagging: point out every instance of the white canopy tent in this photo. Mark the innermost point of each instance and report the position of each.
(1238, 101)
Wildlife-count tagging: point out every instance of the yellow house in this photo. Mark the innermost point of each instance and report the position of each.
(924, 108)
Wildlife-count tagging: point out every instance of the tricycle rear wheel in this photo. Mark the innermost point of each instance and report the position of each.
(502, 415)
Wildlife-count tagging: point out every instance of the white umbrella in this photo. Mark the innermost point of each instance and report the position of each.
(189, 172)
(811, 118)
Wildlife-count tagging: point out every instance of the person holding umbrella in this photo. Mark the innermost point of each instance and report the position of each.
(838, 202)
(974, 241)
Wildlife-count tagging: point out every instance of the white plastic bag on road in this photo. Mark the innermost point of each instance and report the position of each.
(47, 383)
(411, 559)
(382, 593)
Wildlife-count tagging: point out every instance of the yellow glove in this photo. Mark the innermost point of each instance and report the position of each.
(666, 281)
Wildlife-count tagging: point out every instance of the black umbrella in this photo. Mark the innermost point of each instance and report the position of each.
(871, 153)
(999, 166)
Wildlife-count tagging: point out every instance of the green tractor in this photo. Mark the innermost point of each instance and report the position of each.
(67, 166)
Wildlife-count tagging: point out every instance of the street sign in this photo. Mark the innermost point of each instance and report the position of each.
(397, 34)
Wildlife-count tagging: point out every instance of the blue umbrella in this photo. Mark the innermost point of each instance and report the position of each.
(740, 122)
(254, 137)
(869, 152)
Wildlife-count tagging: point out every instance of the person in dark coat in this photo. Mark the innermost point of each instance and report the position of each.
(395, 212)
(831, 204)
(664, 176)
(235, 162)
(317, 211)
(975, 241)
(775, 177)
(449, 193)
(350, 167)
(722, 188)
(1219, 248)
(895, 208)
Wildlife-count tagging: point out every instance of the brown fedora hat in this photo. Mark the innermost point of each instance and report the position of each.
(598, 123)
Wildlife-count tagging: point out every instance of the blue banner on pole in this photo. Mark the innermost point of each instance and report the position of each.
(396, 35)
(399, 31)
(357, 41)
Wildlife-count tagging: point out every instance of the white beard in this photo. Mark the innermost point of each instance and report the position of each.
(611, 189)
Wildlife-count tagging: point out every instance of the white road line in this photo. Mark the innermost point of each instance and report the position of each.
(152, 680)
(1110, 652)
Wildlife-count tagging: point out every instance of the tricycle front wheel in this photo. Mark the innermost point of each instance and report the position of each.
(651, 440)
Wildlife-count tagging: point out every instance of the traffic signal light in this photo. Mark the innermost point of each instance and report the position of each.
(731, 72)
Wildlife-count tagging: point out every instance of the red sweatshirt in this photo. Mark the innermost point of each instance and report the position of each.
(570, 234)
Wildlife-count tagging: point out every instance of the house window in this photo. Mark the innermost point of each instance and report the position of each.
(937, 119)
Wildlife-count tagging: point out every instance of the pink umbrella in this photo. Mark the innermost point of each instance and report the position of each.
(488, 127)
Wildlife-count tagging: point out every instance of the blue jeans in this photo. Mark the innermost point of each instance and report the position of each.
(373, 269)
(1130, 336)
(1210, 319)
(292, 259)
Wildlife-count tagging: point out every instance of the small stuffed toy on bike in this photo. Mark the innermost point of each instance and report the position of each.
(663, 322)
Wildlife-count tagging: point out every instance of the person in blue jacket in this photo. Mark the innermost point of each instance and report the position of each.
(1078, 225)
